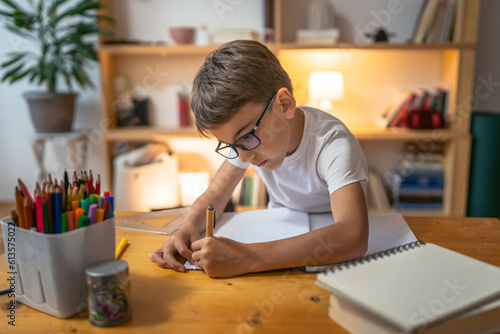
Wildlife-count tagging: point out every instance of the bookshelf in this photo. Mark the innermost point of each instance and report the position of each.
(448, 62)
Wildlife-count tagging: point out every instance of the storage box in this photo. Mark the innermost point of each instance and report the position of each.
(49, 269)
(146, 179)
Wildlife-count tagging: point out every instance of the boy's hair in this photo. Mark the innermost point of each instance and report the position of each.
(233, 75)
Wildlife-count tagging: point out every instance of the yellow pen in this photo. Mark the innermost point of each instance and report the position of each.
(120, 247)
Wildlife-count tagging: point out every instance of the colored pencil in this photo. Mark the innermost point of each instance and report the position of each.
(57, 209)
(98, 185)
(39, 209)
(19, 207)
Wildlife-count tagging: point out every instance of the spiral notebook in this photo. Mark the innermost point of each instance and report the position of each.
(414, 288)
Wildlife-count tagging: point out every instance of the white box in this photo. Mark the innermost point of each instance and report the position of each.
(49, 268)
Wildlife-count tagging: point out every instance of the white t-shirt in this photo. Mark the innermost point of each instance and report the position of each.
(328, 158)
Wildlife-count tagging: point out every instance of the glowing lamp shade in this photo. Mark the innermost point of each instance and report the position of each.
(325, 87)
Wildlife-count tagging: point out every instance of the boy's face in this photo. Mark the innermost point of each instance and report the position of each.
(272, 131)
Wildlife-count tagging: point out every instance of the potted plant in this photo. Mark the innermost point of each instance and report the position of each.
(62, 32)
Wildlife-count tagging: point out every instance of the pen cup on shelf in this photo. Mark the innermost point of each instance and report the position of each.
(49, 269)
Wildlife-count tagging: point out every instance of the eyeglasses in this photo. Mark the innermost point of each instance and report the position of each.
(247, 142)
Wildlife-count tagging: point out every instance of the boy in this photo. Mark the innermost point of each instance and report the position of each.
(307, 158)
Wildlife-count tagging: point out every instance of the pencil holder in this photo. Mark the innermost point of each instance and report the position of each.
(49, 269)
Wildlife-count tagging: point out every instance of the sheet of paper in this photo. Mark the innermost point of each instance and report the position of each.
(260, 226)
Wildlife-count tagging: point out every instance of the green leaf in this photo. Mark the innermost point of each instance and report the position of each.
(53, 8)
(80, 9)
(11, 4)
(77, 74)
(15, 58)
(22, 75)
(12, 72)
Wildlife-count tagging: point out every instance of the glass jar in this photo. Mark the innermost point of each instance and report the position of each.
(108, 293)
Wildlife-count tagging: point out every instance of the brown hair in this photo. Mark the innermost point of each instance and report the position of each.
(233, 75)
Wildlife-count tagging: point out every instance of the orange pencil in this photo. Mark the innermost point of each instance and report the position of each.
(107, 207)
(69, 197)
(78, 212)
(70, 218)
(19, 207)
(14, 217)
(28, 213)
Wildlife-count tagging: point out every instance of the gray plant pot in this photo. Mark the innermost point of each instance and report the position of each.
(51, 114)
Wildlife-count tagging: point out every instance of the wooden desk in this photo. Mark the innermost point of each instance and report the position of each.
(284, 301)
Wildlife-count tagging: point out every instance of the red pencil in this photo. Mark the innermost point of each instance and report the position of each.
(98, 185)
(24, 190)
(39, 209)
(90, 182)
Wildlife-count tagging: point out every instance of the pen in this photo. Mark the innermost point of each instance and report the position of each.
(6, 291)
(210, 221)
(120, 247)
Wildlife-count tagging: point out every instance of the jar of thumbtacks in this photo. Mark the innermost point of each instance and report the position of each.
(108, 293)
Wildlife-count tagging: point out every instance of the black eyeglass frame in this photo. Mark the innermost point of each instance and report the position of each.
(251, 133)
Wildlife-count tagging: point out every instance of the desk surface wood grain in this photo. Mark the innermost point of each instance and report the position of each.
(282, 301)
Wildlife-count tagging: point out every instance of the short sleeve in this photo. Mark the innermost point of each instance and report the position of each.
(342, 161)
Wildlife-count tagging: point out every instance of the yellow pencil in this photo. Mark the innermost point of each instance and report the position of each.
(210, 221)
(120, 247)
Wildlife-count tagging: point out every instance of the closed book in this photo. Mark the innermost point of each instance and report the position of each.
(414, 288)
(482, 320)
(438, 24)
(426, 20)
(392, 109)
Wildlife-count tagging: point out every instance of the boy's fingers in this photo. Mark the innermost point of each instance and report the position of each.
(173, 263)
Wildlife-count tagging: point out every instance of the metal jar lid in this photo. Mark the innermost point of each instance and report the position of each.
(108, 272)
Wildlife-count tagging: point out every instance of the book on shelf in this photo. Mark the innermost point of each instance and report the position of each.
(417, 109)
(416, 288)
(392, 109)
(251, 190)
(418, 182)
(440, 21)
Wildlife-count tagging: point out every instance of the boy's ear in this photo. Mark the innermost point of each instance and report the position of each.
(287, 102)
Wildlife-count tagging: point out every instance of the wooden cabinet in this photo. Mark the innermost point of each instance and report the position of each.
(451, 62)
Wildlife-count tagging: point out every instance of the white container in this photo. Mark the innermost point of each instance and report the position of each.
(49, 269)
(146, 179)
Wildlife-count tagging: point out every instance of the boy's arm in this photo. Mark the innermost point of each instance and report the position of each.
(217, 194)
(344, 240)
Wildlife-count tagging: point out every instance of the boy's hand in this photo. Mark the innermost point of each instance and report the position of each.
(178, 244)
(221, 257)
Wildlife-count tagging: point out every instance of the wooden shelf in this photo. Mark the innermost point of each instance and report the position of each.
(378, 46)
(147, 133)
(367, 132)
(195, 50)
(372, 132)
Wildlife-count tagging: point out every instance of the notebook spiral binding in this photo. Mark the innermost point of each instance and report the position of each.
(371, 257)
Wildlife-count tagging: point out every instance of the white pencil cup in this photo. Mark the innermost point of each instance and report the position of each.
(49, 269)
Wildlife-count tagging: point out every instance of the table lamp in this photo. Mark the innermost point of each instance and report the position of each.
(325, 87)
